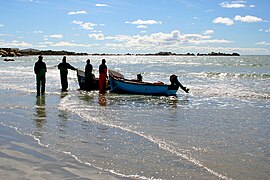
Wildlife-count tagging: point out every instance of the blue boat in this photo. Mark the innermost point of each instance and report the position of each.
(119, 84)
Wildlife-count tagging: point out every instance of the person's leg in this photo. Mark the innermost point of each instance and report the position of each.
(102, 83)
(38, 86)
(64, 82)
(43, 81)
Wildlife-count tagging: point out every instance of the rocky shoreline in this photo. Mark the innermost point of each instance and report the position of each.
(15, 52)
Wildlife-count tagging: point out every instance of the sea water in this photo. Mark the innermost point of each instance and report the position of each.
(219, 130)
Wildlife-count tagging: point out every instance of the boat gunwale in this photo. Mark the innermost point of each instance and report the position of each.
(137, 82)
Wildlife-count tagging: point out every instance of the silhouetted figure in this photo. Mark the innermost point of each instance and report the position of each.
(40, 71)
(139, 77)
(102, 76)
(63, 67)
(174, 82)
(88, 75)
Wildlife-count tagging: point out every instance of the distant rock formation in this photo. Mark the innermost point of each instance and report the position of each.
(218, 54)
(13, 52)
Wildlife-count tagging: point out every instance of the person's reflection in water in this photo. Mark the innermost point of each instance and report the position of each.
(62, 116)
(40, 116)
(102, 100)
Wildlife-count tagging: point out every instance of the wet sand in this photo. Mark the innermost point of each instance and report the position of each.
(21, 157)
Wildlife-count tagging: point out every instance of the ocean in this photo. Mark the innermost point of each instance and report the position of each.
(220, 130)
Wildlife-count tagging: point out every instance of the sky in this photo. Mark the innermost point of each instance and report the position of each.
(137, 26)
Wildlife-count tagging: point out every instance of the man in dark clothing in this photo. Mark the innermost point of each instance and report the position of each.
(88, 75)
(63, 67)
(40, 70)
(102, 77)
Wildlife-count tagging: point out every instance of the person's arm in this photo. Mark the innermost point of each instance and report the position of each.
(71, 67)
(35, 68)
(45, 67)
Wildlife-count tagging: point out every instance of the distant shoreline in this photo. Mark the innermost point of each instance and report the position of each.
(15, 52)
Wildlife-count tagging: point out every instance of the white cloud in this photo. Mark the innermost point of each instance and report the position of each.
(161, 40)
(85, 25)
(201, 39)
(264, 43)
(88, 25)
(31, 1)
(1, 25)
(209, 31)
(6, 35)
(144, 22)
(77, 22)
(77, 12)
(141, 27)
(248, 19)
(101, 5)
(38, 32)
(266, 30)
(233, 5)
(98, 36)
(65, 43)
(236, 4)
(46, 43)
(15, 44)
(58, 36)
(223, 20)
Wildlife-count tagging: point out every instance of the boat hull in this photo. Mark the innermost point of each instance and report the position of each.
(132, 87)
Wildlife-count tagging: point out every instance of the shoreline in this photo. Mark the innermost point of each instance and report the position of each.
(22, 157)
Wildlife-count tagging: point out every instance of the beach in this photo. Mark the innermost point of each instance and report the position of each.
(220, 130)
(23, 158)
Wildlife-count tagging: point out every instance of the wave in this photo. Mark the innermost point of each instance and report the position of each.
(67, 104)
(232, 75)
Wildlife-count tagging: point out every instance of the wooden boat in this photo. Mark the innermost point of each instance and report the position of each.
(81, 80)
(119, 84)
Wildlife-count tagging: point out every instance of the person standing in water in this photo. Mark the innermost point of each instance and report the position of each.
(63, 67)
(102, 77)
(40, 70)
(88, 75)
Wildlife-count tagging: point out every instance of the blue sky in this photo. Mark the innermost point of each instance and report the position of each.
(137, 26)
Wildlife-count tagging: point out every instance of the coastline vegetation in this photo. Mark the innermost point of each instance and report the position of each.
(15, 52)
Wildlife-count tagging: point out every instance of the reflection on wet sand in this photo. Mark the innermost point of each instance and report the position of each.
(40, 115)
(86, 96)
(102, 100)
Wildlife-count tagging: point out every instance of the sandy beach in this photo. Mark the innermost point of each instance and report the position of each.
(21, 157)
